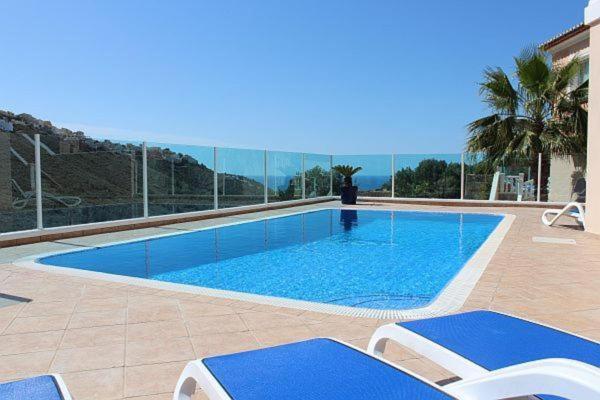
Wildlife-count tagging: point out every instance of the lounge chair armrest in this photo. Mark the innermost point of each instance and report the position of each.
(196, 374)
(570, 379)
(425, 347)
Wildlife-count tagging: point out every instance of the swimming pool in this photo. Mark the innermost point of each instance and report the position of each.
(371, 259)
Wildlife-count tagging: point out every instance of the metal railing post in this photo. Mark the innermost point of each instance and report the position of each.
(215, 181)
(539, 178)
(38, 183)
(303, 178)
(331, 175)
(462, 176)
(266, 179)
(145, 177)
(393, 177)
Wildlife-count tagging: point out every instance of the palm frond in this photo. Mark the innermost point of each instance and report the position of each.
(346, 170)
(498, 91)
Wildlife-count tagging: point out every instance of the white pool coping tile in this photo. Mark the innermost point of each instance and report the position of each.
(451, 299)
(552, 240)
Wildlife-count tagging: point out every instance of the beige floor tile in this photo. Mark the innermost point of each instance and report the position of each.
(89, 358)
(94, 336)
(151, 379)
(98, 318)
(341, 330)
(155, 312)
(159, 351)
(264, 320)
(29, 342)
(216, 324)
(38, 324)
(101, 304)
(23, 365)
(194, 309)
(100, 384)
(36, 309)
(282, 335)
(156, 330)
(223, 343)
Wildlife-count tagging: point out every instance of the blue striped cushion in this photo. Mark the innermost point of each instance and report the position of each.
(495, 341)
(40, 387)
(317, 369)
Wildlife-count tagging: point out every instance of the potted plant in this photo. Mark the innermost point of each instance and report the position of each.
(349, 192)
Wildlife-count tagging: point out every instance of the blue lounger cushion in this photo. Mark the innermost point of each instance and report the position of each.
(493, 341)
(40, 387)
(314, 369)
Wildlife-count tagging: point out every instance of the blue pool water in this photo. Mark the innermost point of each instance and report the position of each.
(364, 258)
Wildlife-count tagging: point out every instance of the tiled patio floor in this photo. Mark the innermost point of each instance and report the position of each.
(114, 341)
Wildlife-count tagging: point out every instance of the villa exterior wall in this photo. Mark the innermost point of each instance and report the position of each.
(593, 161)
(564, 172)
(579, 48)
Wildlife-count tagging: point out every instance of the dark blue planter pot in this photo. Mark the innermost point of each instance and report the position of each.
(349, 194)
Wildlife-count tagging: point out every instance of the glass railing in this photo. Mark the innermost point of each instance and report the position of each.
(180, 178)
(284, 176)
(317, 175)
(434, 176)
(241, 177)
(478, 177)
(86, 181)
(374, 180)
(17, 183)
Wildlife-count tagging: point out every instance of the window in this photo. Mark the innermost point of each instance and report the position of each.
(584, 72)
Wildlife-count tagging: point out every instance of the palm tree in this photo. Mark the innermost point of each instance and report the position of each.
(536, 114)
(347, 171)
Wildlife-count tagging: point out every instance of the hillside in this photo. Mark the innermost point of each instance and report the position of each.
(106, 172)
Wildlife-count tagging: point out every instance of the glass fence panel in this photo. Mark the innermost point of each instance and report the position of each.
(240, 177)
(317, 175)
(434, 176)
(375, 178)
(17, 182)
(180, 178)
(566, 181)
(85, 180)
(284, 175)
(478, 177)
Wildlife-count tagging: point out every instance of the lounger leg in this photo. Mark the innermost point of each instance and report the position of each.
(196, 374)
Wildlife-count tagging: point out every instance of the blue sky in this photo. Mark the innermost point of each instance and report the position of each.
(344, 77)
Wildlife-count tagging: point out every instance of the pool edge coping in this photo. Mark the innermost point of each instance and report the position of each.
(450, 299)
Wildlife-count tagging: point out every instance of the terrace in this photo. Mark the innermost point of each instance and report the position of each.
(103, 337)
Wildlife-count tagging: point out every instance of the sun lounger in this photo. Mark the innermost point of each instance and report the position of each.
(46, 387)
(473, 343)
(574, 210)
(327, 369)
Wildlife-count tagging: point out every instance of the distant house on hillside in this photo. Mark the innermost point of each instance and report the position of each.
(5, 126)
(574, 42)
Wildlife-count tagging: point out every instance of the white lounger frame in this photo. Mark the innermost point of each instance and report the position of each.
(442, 356)
(549, 217)
(566, 378)
(62, 387)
